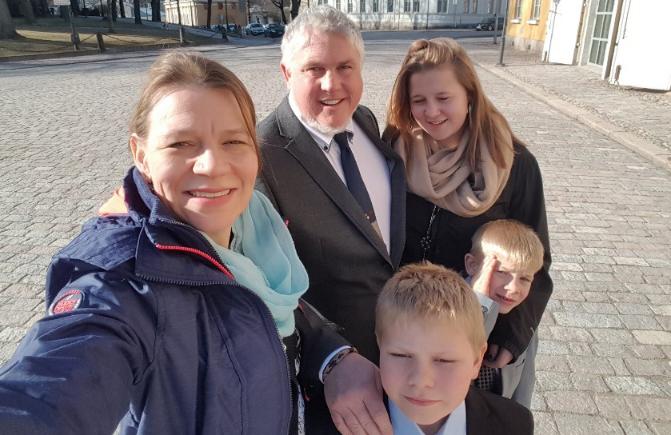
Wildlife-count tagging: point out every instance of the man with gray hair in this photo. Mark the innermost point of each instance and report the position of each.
(342, 193)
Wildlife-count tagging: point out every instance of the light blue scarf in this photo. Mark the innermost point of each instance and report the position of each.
(263, 258)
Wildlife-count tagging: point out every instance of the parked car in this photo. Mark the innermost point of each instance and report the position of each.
(274, 30)
(254, 29)
(488, 24)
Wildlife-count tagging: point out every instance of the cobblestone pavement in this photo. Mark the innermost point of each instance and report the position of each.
(604, 358)
(643, 113)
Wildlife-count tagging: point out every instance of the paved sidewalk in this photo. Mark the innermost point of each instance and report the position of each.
(605, 350)
(639, 119)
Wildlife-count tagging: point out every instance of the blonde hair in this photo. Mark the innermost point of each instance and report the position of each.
(510, 240)
(179, 69)
(430, 292)
(486, 124)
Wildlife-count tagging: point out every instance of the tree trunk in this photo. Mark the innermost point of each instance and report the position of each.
(122, 10)
(26, 9)
(136, 11)
(280, 6)
(7, 29)
(156, 10)
(209, 12)
(114, 10)
(74, 6)
(295, 6)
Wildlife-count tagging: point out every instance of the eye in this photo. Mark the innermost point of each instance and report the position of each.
(444, 361)
(177, 145)
(443, 98)
(417, 101)
(315, 70)
(399, 355)
(346, 67)
(526, 278)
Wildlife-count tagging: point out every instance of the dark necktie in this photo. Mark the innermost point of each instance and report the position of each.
(353, 179)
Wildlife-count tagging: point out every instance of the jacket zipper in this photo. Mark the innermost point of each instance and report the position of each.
(219, 265)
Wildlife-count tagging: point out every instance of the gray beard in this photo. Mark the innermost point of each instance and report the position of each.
(323, 129)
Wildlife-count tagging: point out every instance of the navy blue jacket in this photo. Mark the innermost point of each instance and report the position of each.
(162, 338)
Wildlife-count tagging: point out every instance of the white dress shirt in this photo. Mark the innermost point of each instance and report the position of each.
(402, 425)
(372, 166)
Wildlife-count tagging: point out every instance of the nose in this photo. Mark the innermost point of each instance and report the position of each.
(209, 162)
(330, 81)
(421, 375)
(513, 286)
(431, 108)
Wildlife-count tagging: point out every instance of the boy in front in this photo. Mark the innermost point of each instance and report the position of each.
(429, 328)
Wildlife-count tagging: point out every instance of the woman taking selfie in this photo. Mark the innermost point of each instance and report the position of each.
(174, 313)
(464, 167)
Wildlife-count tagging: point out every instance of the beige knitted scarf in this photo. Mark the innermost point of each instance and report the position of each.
(445, 177)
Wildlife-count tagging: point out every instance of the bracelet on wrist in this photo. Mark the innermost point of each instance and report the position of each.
(336, 360)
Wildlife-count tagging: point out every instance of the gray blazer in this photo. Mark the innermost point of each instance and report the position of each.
(517, 378)
(346, 260)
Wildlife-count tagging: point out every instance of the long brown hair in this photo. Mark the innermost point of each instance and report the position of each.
(486, 124)
(180, 69)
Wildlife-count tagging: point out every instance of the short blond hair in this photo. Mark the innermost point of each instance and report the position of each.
(510, 240)
(427, 291)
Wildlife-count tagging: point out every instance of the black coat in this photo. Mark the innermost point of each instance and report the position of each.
(489, 414)
(345, 258)
(450, 239)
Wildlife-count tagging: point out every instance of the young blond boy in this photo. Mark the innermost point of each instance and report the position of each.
(505, 255)
(429, 328)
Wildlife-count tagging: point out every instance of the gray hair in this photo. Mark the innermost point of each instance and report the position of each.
(322, 18)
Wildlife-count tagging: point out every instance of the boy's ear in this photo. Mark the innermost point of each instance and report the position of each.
(471, 264)
(478, 361)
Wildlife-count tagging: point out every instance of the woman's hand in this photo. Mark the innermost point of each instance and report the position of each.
(353, 392)
(482, 280)
(497, 357)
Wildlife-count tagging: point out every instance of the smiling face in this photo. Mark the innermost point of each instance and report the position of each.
(199, 158)
(324, 78)
(427, 367)
(439, 104)
(509, 285)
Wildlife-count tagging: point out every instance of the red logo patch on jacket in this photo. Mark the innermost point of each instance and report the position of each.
(66, 301)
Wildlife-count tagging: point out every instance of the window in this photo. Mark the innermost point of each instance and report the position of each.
(406, 5)
(467, 6)
(442, 6)
(390, 5)
(362, 6)
(490, 6)
(536, 10)
(376, 5)
(474, 7)
(604, 14)
(415, 5)
(517, 13)
(338, 4)
(349, 6)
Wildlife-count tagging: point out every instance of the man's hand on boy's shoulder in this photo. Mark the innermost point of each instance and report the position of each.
(353, 392)
(497, 357)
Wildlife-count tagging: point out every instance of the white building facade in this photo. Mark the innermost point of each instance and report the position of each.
(416, 14)
(618, 38)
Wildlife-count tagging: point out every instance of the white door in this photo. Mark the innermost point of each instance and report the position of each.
(561, 36)
(642, 56)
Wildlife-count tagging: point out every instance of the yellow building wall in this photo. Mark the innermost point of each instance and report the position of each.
(525, 33)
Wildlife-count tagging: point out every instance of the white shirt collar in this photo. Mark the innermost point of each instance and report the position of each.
(323, 140)
(454, 425)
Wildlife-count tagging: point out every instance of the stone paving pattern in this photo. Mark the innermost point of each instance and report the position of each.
(604, 363)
